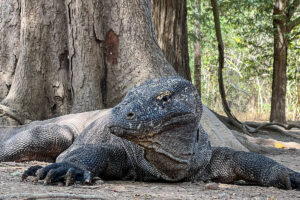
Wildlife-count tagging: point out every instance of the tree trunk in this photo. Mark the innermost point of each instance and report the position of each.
(279, 63)
(39, 81)
(138, 56)
(9, 40)
(169, 17)
(72, 53)
(197, 48)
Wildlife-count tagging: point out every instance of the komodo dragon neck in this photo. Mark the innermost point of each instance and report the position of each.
(172, 152)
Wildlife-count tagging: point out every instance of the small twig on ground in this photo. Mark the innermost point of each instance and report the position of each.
(50, 195)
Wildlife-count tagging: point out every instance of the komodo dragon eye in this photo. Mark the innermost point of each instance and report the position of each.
(164, 96)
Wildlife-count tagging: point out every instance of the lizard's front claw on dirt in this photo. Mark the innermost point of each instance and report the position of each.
(31, 171)
(55, 175)
(87, 177)
(70, 177)
(59, 172)
(74, 175)
(42, 173)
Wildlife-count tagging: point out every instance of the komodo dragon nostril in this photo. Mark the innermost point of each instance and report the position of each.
(130, 115)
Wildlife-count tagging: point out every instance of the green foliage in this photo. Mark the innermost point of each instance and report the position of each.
(247, 29)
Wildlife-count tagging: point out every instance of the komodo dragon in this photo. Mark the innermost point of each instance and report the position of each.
(154, 134)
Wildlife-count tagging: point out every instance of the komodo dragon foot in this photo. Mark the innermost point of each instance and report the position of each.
(59, 172)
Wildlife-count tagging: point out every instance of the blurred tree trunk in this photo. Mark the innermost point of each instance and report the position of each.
(197, 47)
(283, 23)
(170, 22)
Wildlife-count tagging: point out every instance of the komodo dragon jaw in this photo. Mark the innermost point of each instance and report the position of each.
(148, 130)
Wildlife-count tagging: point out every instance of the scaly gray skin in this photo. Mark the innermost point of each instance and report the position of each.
(154, 134)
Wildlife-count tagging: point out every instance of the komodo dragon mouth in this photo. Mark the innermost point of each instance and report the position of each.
(150, 129)
(159, 143)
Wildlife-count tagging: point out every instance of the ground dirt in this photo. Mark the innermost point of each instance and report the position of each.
(11, 187)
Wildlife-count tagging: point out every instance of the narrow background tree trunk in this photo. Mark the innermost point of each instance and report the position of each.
(169, 17)
(279, 63)
(197, 48)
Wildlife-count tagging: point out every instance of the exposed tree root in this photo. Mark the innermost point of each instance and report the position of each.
(6, 112)
(257, 126)
(271, 124)
(13, 117)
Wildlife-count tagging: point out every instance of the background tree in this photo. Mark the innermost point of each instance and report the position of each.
(248, 36)
(284, 22)
(197, 46)
(170, 22)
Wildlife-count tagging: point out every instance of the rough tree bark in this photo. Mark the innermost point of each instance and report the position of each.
(9, 48)
(138, 57)
(169, 17)
(36, 89)
(71, 51)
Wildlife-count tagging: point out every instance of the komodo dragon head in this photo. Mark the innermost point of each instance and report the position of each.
(163, 116)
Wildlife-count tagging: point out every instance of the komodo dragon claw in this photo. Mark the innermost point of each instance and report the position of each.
(59, 172)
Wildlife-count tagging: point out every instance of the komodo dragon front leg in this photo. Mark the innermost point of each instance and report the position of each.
(227, 165)
(41, 142)
(83, 163)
